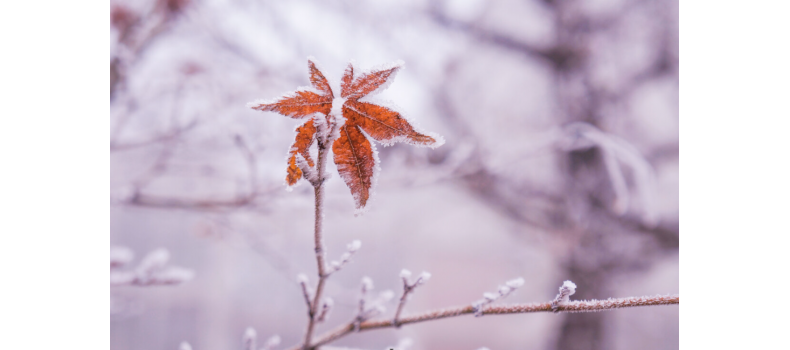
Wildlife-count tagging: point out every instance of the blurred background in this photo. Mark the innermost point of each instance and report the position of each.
(560, 163)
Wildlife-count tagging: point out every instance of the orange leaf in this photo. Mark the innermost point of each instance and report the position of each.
(383, 124)
(355, 161)
(345, 83)
(300, 104)
(319, 81)
(305, 134)
(367, 83)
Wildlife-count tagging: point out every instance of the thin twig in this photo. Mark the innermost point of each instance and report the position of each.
(570, 307)
(407, 289)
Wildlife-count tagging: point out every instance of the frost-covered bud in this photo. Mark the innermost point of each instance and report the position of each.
(354, 245)
(302, 278)
(173, 275)
(120, 256)
(490, 296)
(155, 260)
(367, 284)
(249, 339)
(515, 283)
(424, 277)
(334, 265)
(405, 273)
(404, 344)
(386, 295)
(567, 289)
(505, 290)
(272, 342)
(184, 346)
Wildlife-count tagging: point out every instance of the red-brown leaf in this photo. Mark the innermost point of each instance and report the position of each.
(367, 83)
(345, 83)
(383, 124)
(300, 104)
(319, 81)
(355, 161)
(305, 134)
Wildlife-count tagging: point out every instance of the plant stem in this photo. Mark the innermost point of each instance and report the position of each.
(570, 307)
(319, 244)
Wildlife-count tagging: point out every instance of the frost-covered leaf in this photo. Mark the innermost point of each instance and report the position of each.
(355, 162)
(354, 154)
(305, 134)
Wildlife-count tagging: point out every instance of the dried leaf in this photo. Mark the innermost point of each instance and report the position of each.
(355, 162)
(305, 134)
(383, 124)
(299, 104)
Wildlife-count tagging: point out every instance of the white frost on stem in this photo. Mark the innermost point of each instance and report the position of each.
(502, 292)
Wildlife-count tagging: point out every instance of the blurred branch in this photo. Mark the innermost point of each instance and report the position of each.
(170, 135)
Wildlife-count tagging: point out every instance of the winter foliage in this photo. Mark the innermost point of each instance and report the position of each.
(349, 122)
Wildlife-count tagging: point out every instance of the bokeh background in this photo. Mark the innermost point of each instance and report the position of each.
(561, 162)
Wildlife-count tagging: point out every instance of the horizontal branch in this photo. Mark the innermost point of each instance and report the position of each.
(570, 307)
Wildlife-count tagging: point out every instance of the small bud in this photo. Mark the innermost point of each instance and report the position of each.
(405, 273)
(301, 278)
(354, 245)
(367, 283)
(425, 276)
(515, 283)
(249, 338)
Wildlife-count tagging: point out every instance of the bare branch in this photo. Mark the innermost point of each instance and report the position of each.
(408, 288)
(570, 307)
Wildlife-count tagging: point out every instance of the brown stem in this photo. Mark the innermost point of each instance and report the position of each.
(569, 307)
(319, 244)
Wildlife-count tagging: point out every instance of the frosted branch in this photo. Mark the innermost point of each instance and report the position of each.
(408, 288)
(152, 270)
(570, 307)
(371, 308)
(336, 265)
(501, 293)
(302, 279)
